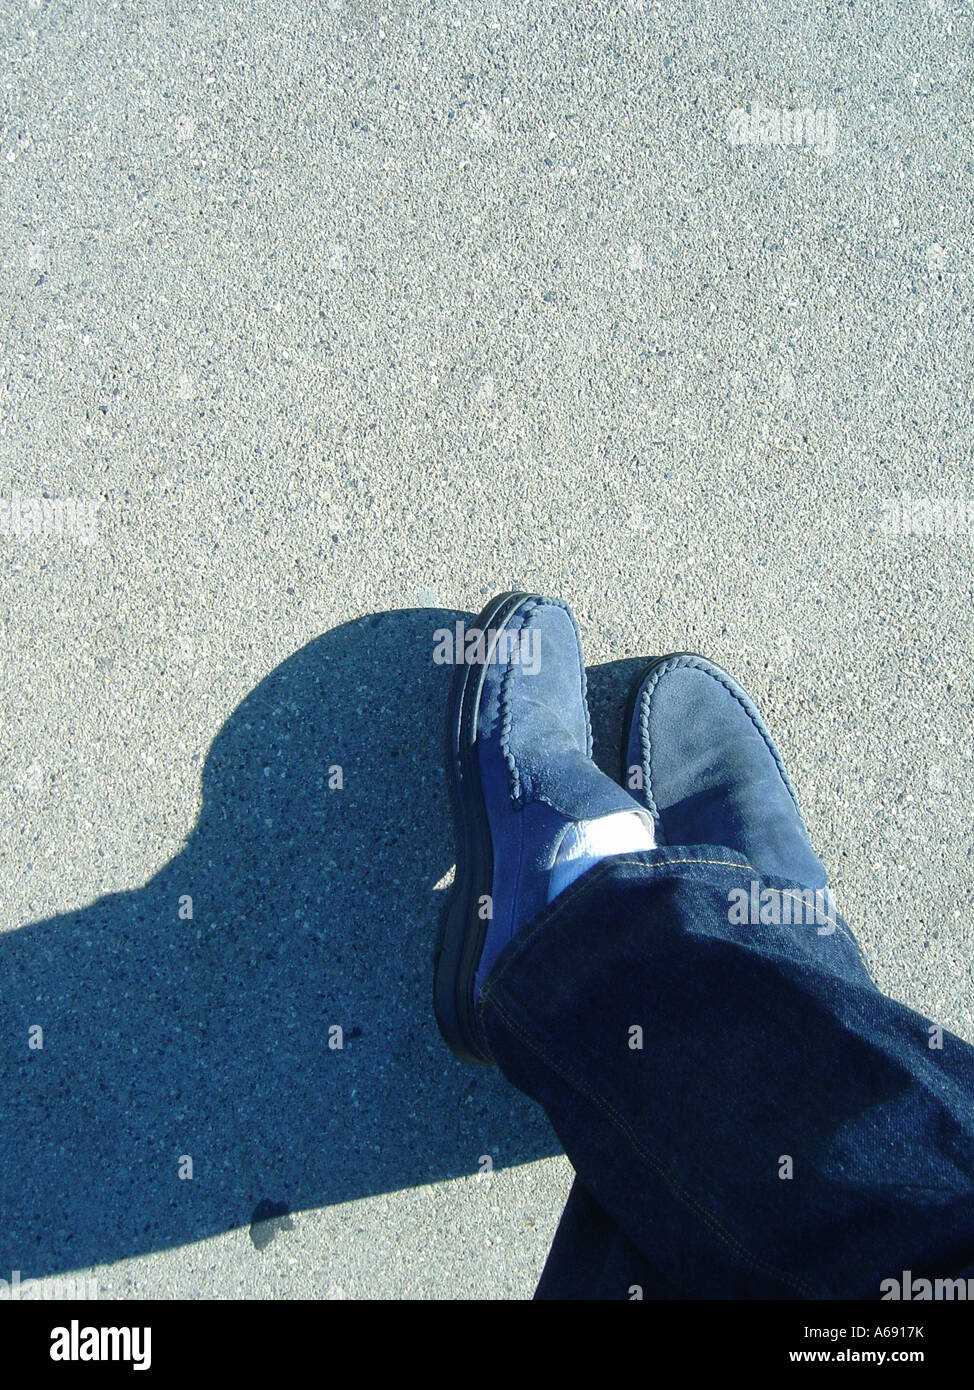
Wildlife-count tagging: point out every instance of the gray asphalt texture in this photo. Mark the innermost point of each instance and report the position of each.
(349, 317)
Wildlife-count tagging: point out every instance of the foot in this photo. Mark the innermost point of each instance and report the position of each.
(521, 780)
(709, 771)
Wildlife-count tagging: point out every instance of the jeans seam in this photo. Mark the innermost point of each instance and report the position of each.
(686, 1198)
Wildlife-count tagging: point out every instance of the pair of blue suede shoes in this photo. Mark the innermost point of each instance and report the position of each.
(521, 777)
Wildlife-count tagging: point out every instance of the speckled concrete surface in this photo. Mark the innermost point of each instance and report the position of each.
(342, 313)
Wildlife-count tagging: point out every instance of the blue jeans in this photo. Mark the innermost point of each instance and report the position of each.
(747, 1115)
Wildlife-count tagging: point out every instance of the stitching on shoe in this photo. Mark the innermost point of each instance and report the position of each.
(678, 663)
(507, 718)
(521, 790)
(644, 701)
(644, 704)
(681, 1194)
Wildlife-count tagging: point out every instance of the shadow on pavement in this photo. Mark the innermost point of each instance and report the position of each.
(313, 905)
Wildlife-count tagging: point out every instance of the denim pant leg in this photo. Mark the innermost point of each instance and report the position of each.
(590, 1257)
(748, 1113)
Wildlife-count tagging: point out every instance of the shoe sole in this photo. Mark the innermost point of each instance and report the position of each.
(461, 935)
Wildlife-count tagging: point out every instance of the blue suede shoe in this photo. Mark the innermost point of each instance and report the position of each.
(710, 772)
(520, 774)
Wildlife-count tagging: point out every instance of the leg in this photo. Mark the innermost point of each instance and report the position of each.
(737, 1097)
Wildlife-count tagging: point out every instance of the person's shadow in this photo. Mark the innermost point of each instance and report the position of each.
(252, 1031)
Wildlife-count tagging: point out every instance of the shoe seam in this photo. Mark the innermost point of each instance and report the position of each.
(645, 700)
(519, 785)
